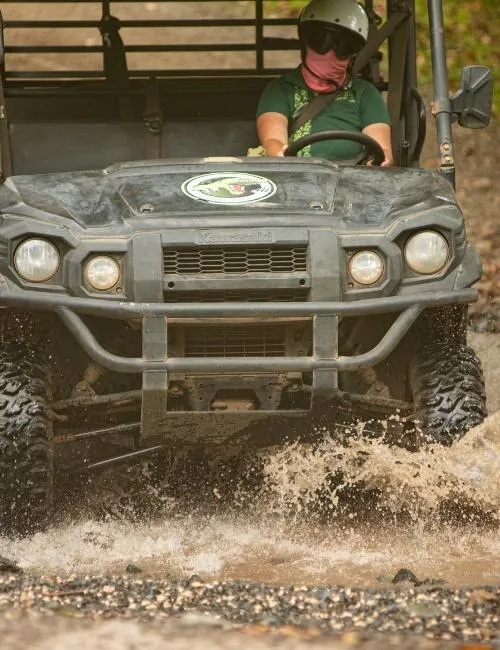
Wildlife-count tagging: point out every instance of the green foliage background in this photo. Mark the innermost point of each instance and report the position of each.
(472, 35)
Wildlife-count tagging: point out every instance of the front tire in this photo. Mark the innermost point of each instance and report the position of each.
(26, 445)
(447, 385)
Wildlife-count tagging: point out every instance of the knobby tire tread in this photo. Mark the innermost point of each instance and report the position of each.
(26, 446)
(448, 391)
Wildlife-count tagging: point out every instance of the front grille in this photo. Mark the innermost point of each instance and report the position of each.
(235, 341)
(234, 259)
(295, 295)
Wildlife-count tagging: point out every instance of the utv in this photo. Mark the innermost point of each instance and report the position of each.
(160, 289)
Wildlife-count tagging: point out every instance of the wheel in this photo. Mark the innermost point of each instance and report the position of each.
(447, 385)
(26, 446)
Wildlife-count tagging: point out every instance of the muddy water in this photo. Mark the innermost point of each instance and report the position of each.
(221, 548)
(434, 512)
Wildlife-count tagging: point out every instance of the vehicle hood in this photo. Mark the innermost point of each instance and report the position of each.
(351, 196)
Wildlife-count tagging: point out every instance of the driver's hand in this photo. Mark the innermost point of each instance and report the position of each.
(381, 133)
(388, 162)
(275, 148)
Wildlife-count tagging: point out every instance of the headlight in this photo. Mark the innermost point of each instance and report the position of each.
(102, 273)
(366, 267)
(426, 252)
(36, 260)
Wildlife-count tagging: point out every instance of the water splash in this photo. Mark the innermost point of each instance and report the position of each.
(416, 483)
(273, 535)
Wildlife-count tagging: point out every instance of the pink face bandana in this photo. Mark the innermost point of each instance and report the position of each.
(324, 73)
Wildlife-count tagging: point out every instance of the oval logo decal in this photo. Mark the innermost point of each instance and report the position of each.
(229, 188)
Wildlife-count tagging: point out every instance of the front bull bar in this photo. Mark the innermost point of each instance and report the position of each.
(324, 363)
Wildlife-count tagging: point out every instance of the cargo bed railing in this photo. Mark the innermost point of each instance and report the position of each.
(258, 44)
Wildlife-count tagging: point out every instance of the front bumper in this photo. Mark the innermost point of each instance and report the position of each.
(155, 365)
(155, 328)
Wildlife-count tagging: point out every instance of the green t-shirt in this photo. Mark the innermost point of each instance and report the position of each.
(355, 107)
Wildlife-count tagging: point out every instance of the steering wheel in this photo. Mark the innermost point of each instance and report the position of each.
(372, 150)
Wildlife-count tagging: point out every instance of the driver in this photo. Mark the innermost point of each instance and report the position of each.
(331, 33)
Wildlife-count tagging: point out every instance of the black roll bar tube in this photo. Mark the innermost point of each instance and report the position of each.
(441, 102)
(412, 113)
(422, 127)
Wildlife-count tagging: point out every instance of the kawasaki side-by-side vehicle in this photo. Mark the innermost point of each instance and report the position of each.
(161, 289)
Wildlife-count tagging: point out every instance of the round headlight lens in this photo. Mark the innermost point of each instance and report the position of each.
(102, 273)
(366, 267)
(426, 252)
(36, 260)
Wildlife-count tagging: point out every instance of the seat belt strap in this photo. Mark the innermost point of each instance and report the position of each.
(315, 106)
(377, 38)
(115, 59)
(113, 49)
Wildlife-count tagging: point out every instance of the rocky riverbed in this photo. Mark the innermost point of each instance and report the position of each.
(206, 609)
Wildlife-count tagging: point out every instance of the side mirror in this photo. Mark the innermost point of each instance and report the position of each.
(471, 105)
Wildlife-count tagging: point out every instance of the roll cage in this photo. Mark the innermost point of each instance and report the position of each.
(119, 88)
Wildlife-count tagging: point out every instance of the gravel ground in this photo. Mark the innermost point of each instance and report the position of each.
(352, 616)
(198, 632)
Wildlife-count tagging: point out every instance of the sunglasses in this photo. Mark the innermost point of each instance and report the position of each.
(323, 40)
